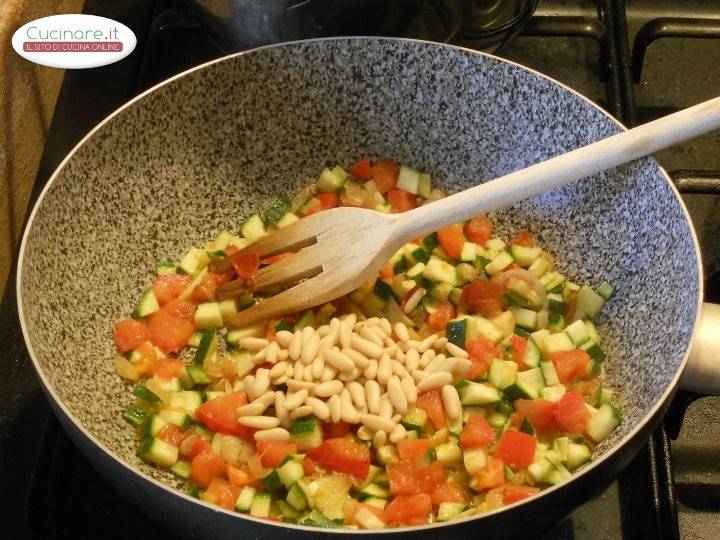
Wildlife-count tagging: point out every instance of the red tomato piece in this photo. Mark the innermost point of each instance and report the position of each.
(168, 332)
(220, 414)
(205, 466)
(205, 290)
(519, 345)
(479, 229)
(362, 169)
(413, 449)
(221, 493)
(387, 272)
(309, 466)
(513, 493)
(276, 258)
(182, 309)
(516, 449)
(484, 297)
(129, 334)
(403, 477)
(335, 431)
(246, 265)
(477, 433)
(273, 452)
(481, 353)
(169, 287)
(492, 476)
(571, 414)
(451, 240)
(525, 238)
(431, 402)
(587, 389)
(171, 434)
(240, 475)
(431, 477)
(539, 412)
(439, 319)
(451, 493)
(344, 456)
(401, 200)
(408, 509)
(385, 174)
(571, 365)
(168, 368)
(200, 446)
(327, 201)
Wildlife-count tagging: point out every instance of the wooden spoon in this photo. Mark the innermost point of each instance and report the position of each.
(342, 248)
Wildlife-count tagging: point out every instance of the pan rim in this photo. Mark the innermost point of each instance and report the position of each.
(50, 391)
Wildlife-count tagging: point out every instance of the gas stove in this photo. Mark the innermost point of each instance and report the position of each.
(638, 59)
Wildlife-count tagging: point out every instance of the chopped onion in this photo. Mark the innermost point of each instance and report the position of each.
(255, 466)
(542, 319)
(301, 197)
(523, 275)
(353, 194)
(435, 195)
(494, 498)
(126, 369)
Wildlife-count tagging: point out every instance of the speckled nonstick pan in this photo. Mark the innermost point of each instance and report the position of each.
(196, 154)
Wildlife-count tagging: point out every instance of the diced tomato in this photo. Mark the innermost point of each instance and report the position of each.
(273, 452)
(479, 229)
(516, 449)
(431, 402)
(402, 477)
(492, 476)
(444, 312)
(484, 297)
(431, 477)
(477, 433)
(171, 434)
(205, 290)
(519, 345)
(334, 431)
(571, 414)
(220, 414)
(240, 475)
(512, 266)
(246, 265)
(385, 174)
(169, 287)
(147, 351)
(362, 169)
(231, 250)
(481, 353)
(168, 332)
(182, 309)
(387, 272)
(168, 368)
(450, 493)
(129, 334)
(539, 412)
(413, 449)
(451, 240)
(571, 365)
(587, 389)
(309, 466)
(513, 493)
(344, 456)
(525, 238)
(205, 466)
(378, 512)
(199, 447)
(276, 258)
(327, 201)
(221, 493)
(408, 509)
(401, 200)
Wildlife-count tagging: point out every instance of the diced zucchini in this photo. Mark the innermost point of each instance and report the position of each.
(556, 303)
(243, 362)
(603, 422)
(158, 452)
(578, 333)
(524, 256)
(502, 373)
(527, 427)
(317, 519)
(207, 347)
(556, 343)
(497, 420)
(143, 392)
(415, 270)
(415, 254)
(307, 432)
(495, 244)
(606, 395)
(288, 512)
(577, 455)
(539, 267)
(137, 414)
(532, 354)
(196, 280)
(296, 497)
(197, 374)
(208, 315)
(474, 393)
(260, 506)
(469, 252)
(165, 268)
(236, 334)
(331, 180)
(384, 208)
(187, 400)
(147, 304)
(455, 295)
(502, 260)
(430, 242)
(556, 322)
(290, 472)
(415, 419)
(245, 499)
(425, 186)
(166, 385)
(552, 280)
(215, 254)
(541, 471)
(387, 454)
(287, 219)
(194, 340)
(589, 302)
(505, 322)
(195, 260)
(253, 228)
(484, 328)
(437, 270)
(605, 290)
(278, 208)
(448, 453)
(409, 180)
(271, 483)
(228, 308)
(456, 332)
(441, 291)
(448, 510)
(532, 377)
(373, 490)
(474, 459)
(524, 318)
(367, 520)
(181, 469)
(306, 319)
(155, 424)
(549, 372)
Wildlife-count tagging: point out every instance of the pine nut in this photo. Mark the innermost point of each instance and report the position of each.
(386, 326)
(396, 395)
(328, 342)
(296, 386)
(419, 375)
(386, 408)
(456, 351)
(301, 412)
(259, 422)
(310, 349)
(426, 343)
(373, 321)
(346, 332)
(398, 434)
(239, 385)
(462, 365)
(280, 410)
(294, 400)
(271, 355)
(440, 343)
(368, 334)
(364, 434)
(398, 369)
(262, 381)
(317, 367)
(368, 348)
(280, 380)
(266, 399)
(323, 331)
(357, 393)
(338, 360)
(319, 408)
(412, 359)
(436, 365)
(278, 370)
(379, 439)
(370, 372)
(328, 374)
(274, 434)
(249, 382)
(329, 388)
(451, 401)
(401, 331)
(251, 409)
(434, 380)
(359, 359)
(384, 370)
(377, 423)
(403, 346)
(298, 371)
(396, 417)
(253, 344)
(349, 414)
(372, 396)
(283, 355)
(392, 349)
(349, 375)
(307, 374)
(335, 408)
(408, 386)
(426, 358)
(413, 344)
(399, 355)
(335, 324)
(283, 337)
(259, 357)
(295, 347)
(378, 331)
(307, 333)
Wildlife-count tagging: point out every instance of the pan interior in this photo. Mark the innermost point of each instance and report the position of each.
(201, 152)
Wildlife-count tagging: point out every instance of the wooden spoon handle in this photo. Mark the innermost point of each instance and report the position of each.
(560, 170)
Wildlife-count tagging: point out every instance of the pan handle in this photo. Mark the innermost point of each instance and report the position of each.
(702, 372)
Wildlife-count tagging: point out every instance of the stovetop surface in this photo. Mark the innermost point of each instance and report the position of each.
(48, 489)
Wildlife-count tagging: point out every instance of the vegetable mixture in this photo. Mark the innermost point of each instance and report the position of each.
(465, 377)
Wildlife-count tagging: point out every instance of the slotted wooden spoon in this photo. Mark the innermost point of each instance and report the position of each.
(342, 248)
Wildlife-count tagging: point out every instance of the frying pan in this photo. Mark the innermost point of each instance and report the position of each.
(197, 153)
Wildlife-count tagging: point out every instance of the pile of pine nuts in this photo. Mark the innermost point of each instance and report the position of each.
(366, 372)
